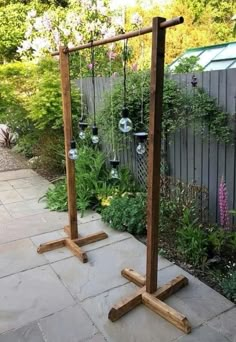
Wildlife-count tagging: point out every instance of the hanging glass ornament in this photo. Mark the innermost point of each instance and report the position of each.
(73, 153)
(142, 137)
(95, 137)
(82, 126)
(125, 124)
(114, 171)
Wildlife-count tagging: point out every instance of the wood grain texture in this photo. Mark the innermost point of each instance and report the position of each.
(154, 153)
(51, 245)
(125, 305)
(85, 240)
(165, 311)
(170, 288)
(134, 277)
(67, 119)
(76, 250)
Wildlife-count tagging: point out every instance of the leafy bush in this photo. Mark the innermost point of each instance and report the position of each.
(192, 241)
(90, 173)
(181, 107)
(188, 64)
(127, 213)
(228, 284)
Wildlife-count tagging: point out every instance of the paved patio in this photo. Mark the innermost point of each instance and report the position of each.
(55, 298)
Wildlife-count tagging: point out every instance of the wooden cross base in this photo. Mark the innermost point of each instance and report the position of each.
(153, 301)
(73, 244)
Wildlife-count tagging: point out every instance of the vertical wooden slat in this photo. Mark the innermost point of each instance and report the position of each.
(70, 164)
(213, 92)
(154, 155)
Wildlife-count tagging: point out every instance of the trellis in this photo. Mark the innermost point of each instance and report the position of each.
(148, 294)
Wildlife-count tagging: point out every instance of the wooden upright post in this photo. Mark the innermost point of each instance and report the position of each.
(149, 294)
(74, 241)
(70, 164)
(154, 152)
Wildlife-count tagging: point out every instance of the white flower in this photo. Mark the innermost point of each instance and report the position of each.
(31, 14)
(28, 32)
(56, 36)
(136, 19)
(111, 32)
(78, 37)
(39, 44)
(70, 45)
(38, 24)
(66, 32)
(46, 21)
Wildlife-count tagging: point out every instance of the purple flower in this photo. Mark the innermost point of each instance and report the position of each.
(90, 66)
(223, 205)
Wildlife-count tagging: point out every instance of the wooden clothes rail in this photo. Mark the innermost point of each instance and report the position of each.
(149, 293)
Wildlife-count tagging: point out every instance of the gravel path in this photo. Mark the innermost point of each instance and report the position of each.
(11, 161)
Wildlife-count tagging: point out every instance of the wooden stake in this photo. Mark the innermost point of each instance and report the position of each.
(154, 152)
(86, 240)
(70, 164)
(76, 250)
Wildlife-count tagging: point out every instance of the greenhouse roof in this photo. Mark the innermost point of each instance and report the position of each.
(213, 57)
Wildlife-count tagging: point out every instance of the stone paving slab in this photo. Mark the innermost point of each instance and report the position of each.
(18, 256)
(10, 175)
(28, 182)
(102, 272)
(77, 326)
(33, 192)
(30, 295)
(25, 208)
(197, 301)
(4, 215)
(10, 196)
(203, 334)
(32, 225)
(225, 324)
(4, 185)
(28, 333)
(140, 325)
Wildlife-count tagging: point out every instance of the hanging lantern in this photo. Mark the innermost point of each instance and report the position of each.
(73, 153)
(125, 124)
(194, 81)
(95, 137)
(142, 137)
(82, 126)
(114, 171)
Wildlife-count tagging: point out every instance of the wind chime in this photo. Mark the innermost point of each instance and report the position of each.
(141, 135)
(113, 162)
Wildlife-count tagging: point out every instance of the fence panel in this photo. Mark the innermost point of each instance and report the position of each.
(192, 158)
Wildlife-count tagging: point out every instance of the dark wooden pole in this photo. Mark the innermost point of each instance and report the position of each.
(154, 154)
(67, 119)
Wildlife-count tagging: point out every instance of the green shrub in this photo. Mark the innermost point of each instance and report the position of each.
(181, 107)
(192, 242)
(228, 283)
(127, 213)
(90, 173)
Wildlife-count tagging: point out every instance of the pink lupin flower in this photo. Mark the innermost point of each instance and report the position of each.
(111, 55)
(90, 66)
(223, 205)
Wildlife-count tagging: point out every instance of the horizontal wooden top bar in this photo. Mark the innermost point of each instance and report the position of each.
(165, 24)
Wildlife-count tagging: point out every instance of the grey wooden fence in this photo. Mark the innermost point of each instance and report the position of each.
(191, 158)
